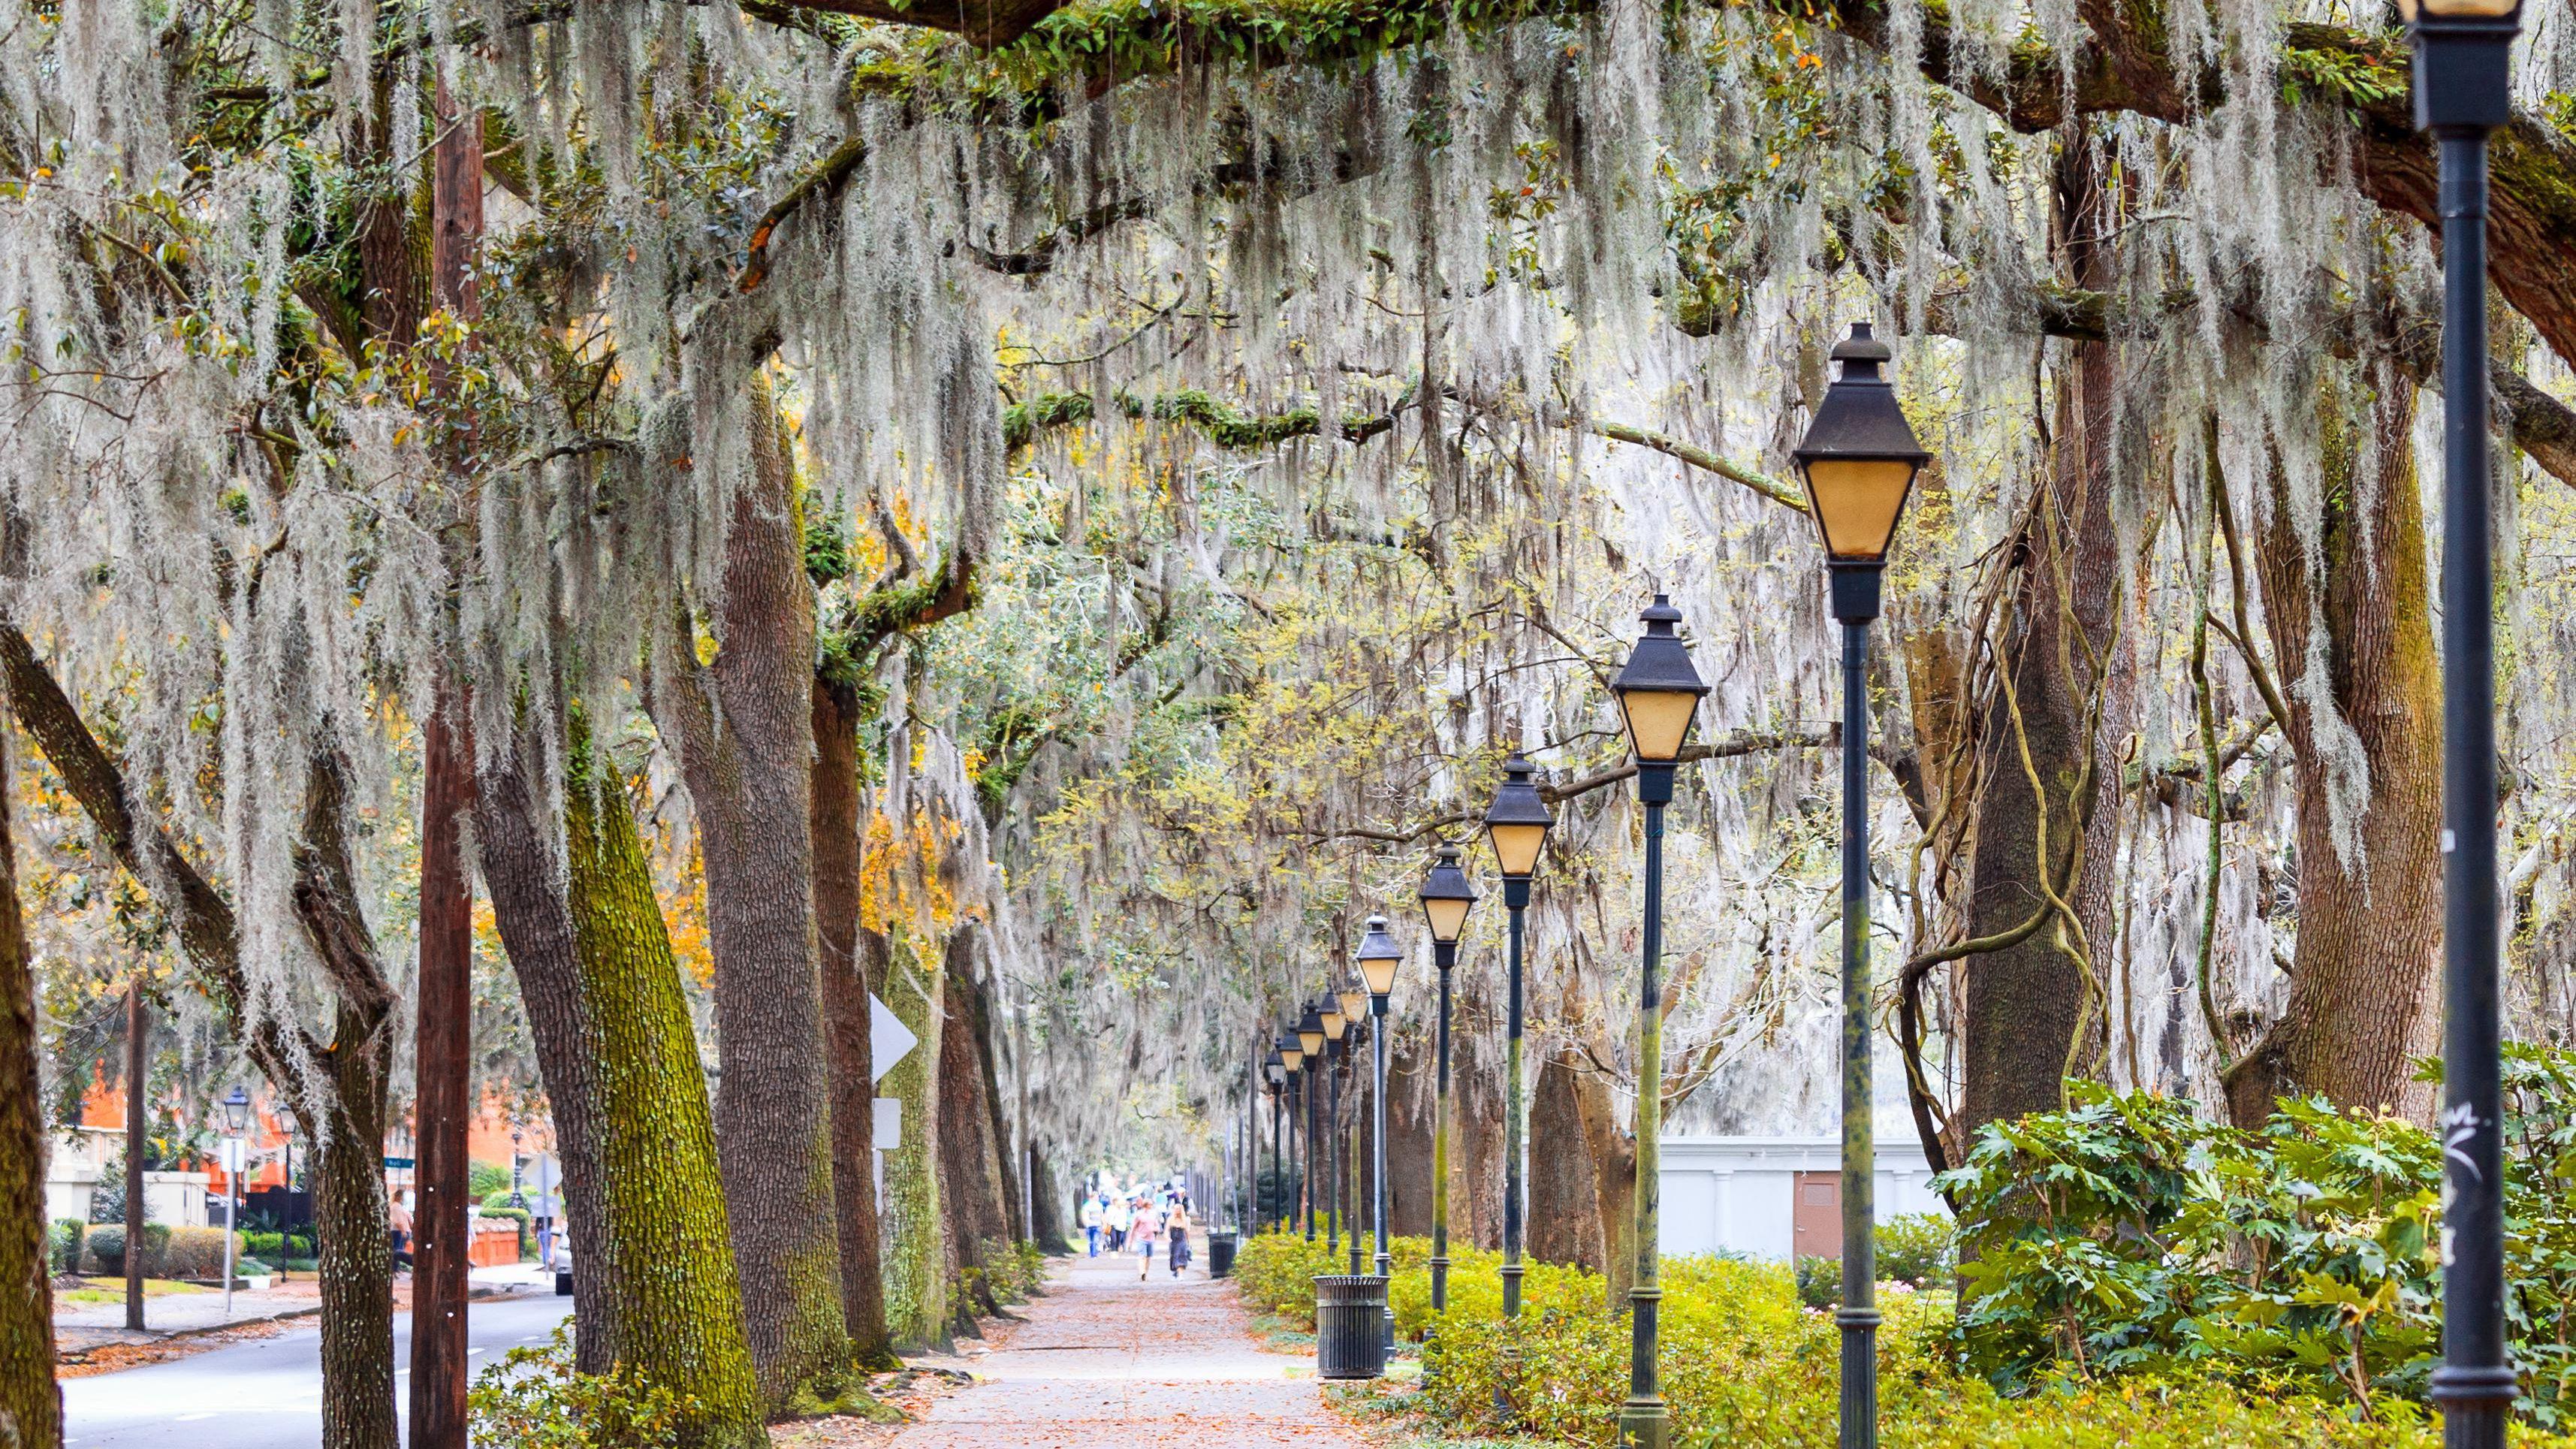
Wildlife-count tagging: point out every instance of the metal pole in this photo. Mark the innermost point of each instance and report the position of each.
(232, 1217)
(134, 1129)
(1314, 1096)
(1516, 894)
(1444, 955)
(1643, 1420)
(1332, 1134)
(1278, 1168)
(1357, 1141)
(1858, 1315)
(2475, 1384)
(1377, 1138)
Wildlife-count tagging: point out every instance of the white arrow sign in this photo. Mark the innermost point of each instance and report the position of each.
(889, 1040)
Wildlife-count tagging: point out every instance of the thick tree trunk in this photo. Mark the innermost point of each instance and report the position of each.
(443, 1219)
(2033, 1009)
(668, 1256)
(31, 1408)
(534, 916)
(1046, 1207)
(2361, 1008)
(1564, 1214)
(845, 1020)
(915, 1242)
(1612, 1151)
(354, 1235)
(744, 731)
(969, 1159)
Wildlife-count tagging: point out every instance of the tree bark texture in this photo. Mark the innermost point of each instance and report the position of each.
(970, 1164)
(2034, 1011)
(668, 1254)
(525, 882)
(743, 728)
(2362, 1006)
(31, 1408)
(443, 1059)
(915, 1242)
(851, 1056)
(1612, 1152)
(1564, 1213)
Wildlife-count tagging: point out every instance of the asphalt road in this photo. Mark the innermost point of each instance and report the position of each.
(267, 1393)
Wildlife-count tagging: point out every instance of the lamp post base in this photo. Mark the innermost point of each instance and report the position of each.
(1645, 1424)
(1511, 1273)
(1860, 1377)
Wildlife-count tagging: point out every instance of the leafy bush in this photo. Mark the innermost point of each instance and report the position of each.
(195, 1253)
(484, 1180)
(2131, 1235)
(63, 1246)
(277, 1247)
(249, 1267)
(535, 1399)
(1921, 1249)
(1820, 1282)
(106, 1248)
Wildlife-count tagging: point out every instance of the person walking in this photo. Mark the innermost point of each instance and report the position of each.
(1121, 1217)
(1092, 1208)
(1149, 1225)
(1177, 1230)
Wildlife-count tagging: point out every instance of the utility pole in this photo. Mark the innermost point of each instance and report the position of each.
(443, 1218)
(134, 1024)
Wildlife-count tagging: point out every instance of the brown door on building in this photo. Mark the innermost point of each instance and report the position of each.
(1818, 1215)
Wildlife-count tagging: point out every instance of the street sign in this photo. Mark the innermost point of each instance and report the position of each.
(889, 1040)
(399, 1163)
(889, 1123)
(232, 1156)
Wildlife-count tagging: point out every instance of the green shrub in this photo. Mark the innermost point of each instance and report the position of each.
(246, 1267)
(106, 1248)
(195, 1253)
(535, 1399)
(1921, 1249)
(486, 1179)
(1820, 1282)
(63, 1247)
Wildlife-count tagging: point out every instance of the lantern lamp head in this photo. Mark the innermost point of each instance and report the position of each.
(1659, 691)
(1446, 896)
(1859, 460)
(1310, 1032)
(237, 1109)
(1329, 1007)
(1378, 958)
(1516, 824)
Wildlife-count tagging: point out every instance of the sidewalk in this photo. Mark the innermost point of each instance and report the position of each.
(1107, 1362)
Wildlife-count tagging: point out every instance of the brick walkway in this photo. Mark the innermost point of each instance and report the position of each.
(1106, 1362)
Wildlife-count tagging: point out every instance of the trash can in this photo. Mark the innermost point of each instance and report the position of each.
(1220, 1253)
(563, 1283)
(1350, 1331)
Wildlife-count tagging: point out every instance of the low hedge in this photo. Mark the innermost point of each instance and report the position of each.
(1744, 1362)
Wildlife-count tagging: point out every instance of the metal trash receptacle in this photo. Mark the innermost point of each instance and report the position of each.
(1220, 1253)
(563, 1282)
(1350, 1333)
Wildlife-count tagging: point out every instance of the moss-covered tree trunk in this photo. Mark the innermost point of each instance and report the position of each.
(667, 1254)
(850, 1055)
(2355, 638)
(970, 1161)
(31, 1408)
(742, 725)
(917, 1253)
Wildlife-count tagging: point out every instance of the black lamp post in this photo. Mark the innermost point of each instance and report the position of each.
(1328, 1010)
(1379, 956)
(1278, 1070)
(1516, 825)
(1353, 996)
(1310, 1037)
(1859, 458)
(1659, 693)
(1446, 898)
(2463, 52)
(1301, 1156)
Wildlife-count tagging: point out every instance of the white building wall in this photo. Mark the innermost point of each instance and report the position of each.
(1737, 1194)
